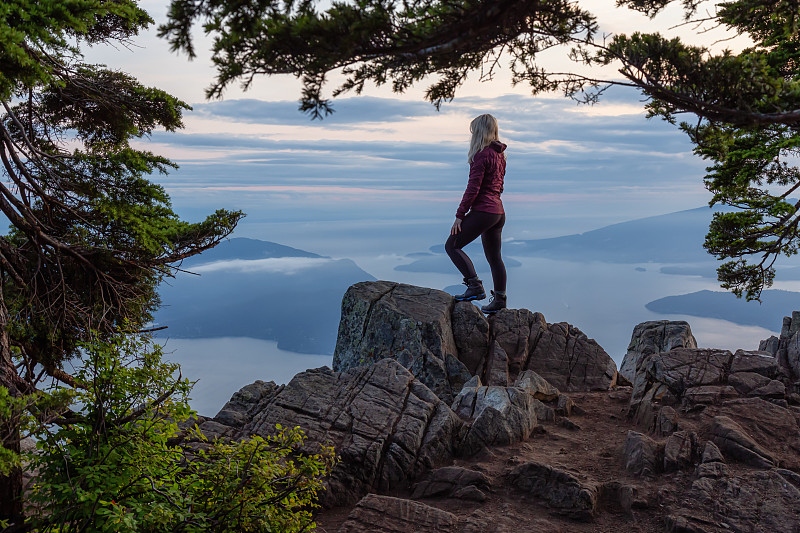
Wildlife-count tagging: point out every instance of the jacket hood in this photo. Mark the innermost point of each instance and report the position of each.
(497, 146)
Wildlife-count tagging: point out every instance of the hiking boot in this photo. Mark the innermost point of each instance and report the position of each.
(474, 291)
(497, 303)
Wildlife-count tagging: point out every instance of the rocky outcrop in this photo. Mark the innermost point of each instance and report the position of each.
(430, 400)
(403, 322)
(734, 442)
(244, 404)
(444, 343)
(453, 482)
(386, 426)
(693, 377)
(655, 336)
(498, 415)
(562, 492)
(754, 501)
(642, 455)
(567, 358)
(384, 514)
(786, 349)
(665, 378)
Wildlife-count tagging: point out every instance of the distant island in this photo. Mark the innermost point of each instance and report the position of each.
(775, 304)
(259, 289)
(672, 238)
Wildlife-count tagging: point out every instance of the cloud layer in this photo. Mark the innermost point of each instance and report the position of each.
(392, 159)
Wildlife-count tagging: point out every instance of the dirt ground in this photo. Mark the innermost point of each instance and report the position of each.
(593, 453)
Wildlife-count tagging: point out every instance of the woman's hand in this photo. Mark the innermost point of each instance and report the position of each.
(456, 227)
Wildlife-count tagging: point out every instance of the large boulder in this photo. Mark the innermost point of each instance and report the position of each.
(655, 336)
(642, 455)
(384, 514)
(499, 415)
(471, 334)
(443, 342)
(735, 443)
(452, 481)
(668, 377)
(564, 356)
(563, 492)
(786, 349)
(386, 426)
(410, 324)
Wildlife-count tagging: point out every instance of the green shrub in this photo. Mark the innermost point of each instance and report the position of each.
(116, 464)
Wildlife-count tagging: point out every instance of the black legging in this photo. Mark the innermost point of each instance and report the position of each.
(490, 227)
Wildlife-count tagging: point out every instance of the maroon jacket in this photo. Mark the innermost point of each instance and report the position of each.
(486, 173)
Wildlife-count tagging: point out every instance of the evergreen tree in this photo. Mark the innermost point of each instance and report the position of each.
(746, 105)
(90, 236)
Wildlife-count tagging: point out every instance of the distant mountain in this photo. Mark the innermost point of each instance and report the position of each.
(259, 289)
(247, 249)
(724, 305)
(672, 238)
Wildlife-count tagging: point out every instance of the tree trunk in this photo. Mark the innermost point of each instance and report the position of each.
(11, 485)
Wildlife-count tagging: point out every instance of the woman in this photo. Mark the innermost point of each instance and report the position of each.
(481, 213)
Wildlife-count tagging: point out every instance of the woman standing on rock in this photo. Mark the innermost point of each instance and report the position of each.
(481, 213)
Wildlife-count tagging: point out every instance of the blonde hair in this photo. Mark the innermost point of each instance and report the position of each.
(484, 130)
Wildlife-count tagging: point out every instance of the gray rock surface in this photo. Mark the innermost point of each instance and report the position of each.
(570, 361)
(497, 371)
(762, 501)
(735, 443)
(759, 362)
(664, 378)
(384, 514)
(449, 481)
(243, 404)
(786, 349)
(773, 427)
(537, 386)
(708, 394)
(774, 389)
(666, 421)
(642, 455)
(712, 454)
(655, 336)
(385, 425)
(679, 450)
(563, 492)
(471, 335)
(744, 382)
(407, 323)
(769, 345)
(499, 415)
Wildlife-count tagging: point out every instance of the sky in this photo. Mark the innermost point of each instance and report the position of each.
(391, 159)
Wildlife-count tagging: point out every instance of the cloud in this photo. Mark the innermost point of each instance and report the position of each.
(564, 161)
(272, 265)
(348, 111)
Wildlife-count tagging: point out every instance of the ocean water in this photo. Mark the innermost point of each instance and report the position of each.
(221, 366)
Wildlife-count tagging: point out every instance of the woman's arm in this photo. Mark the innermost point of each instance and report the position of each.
(477, 170)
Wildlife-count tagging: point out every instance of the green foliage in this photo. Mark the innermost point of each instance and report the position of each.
(379, 41)
(77, 194)
(90, 236)
(118, 464)
(24, 414)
